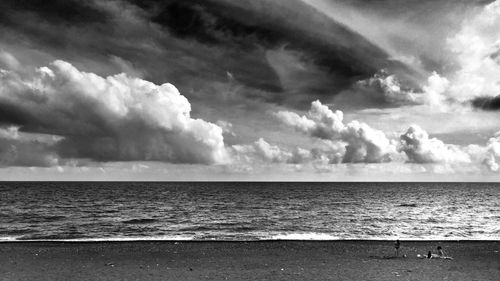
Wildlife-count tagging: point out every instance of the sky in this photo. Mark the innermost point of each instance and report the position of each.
(250, 90)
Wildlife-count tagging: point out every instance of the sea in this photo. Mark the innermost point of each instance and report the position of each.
(248, 211)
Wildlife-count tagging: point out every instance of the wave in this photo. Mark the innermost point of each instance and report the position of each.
(17, 232)
(35, 218)
(53, 218)
(413, 205)
(140, 221)
(107, 239)
(292, 236)
(55, 237)
(303, 236)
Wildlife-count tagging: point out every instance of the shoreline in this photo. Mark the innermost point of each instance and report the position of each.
(145, 240)
(248, 260)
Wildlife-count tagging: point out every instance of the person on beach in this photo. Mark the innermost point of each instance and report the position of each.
(440, 251)
(441, 254)
(430, 255)
(397, 244)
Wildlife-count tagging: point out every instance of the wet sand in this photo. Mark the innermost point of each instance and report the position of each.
(266, 260)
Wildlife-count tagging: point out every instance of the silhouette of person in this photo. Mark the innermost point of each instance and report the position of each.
(440, 251)
(397, 245)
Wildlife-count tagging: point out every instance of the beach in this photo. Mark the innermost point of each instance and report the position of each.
(255, 260)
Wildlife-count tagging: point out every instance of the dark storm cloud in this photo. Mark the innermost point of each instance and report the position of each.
(487, 103)
(194, 44)
(283, 52)
(246, 30)
(12, 115)
(19, 149)
(47, 21)
(26, 154)
(58, 11)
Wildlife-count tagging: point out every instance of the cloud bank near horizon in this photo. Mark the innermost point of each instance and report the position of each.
(357, 142)
(116, 118)
(58, 115)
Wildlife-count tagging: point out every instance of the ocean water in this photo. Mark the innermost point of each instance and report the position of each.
(89, 211)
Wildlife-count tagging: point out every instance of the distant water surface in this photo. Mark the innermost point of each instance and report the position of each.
(248, 211)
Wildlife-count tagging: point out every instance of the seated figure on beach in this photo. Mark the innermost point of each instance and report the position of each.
(439, 255)
(440, 251)
(430, 255)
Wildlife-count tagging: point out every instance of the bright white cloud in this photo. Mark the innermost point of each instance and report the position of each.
(268, 151)
(357, 142)
(263, 151)
(328, 152)
(434, 91)
(389, 87)
(115, 118)
(492, 155)
(477, 47)
(320, 121)
(362, 143)
(419, 148)
(365, 144)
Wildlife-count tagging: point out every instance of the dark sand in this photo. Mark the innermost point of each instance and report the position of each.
(270, 260)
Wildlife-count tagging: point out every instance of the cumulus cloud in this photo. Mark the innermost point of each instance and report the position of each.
(114, 118)
(266, 152)
(492, 155)
(319, 122)
(419, 148)
(325, 152)
(422, 149)
(365, 144)
(387, 89)
(434, 91)
(357, 142)
(328, 152)
(362, 143)
(321, 157)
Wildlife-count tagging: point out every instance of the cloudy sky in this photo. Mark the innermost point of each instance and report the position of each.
(250, 90)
